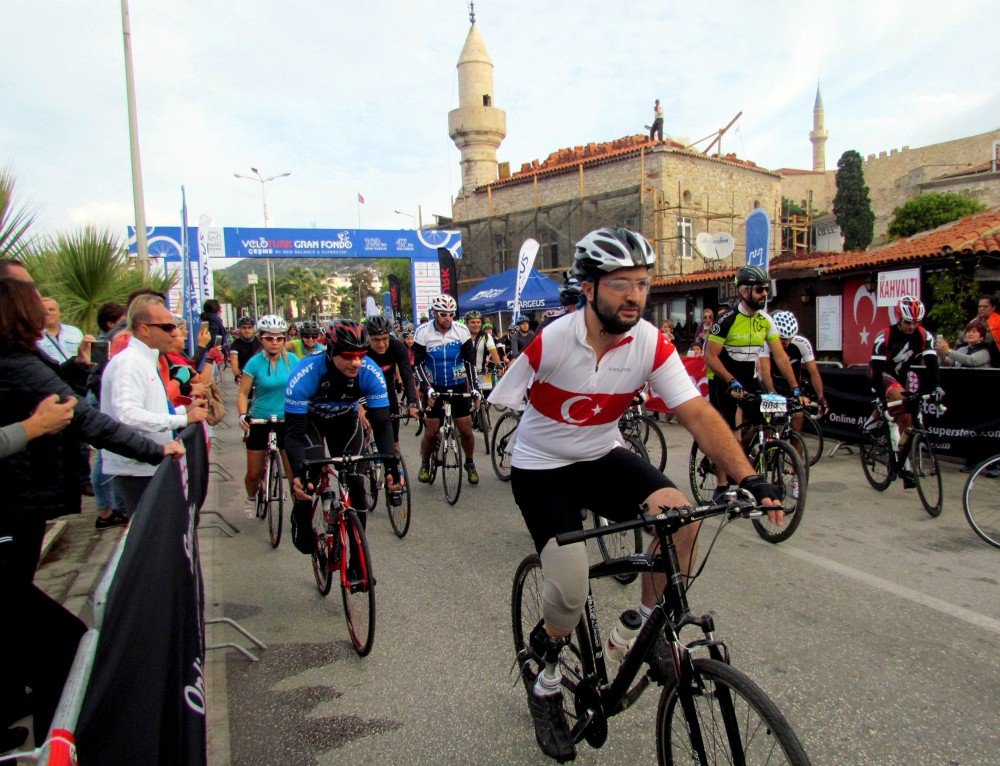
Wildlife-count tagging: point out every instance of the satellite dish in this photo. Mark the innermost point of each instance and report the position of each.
(723, 244)
(703, 244)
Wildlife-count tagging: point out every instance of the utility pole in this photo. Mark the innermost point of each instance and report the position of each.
(263, 196)
(141, 246)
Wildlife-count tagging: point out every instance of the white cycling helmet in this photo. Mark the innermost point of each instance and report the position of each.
(444, 303)
(609, 249)
(910, 309)
(786, 323)
(271, 323)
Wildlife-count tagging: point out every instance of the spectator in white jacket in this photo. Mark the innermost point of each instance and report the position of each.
(133, 391)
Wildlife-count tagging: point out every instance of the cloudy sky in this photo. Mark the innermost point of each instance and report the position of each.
(353, 96)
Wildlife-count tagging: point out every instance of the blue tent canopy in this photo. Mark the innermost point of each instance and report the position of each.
(496, 293)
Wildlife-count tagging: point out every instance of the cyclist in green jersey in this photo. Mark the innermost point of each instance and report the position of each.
(734, 343)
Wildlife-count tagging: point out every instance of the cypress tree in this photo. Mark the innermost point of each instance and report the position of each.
(853, 206)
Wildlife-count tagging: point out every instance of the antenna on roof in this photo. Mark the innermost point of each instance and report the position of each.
(472, 13)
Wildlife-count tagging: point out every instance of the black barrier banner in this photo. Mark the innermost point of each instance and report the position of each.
(969, 426)
(146, 699)
(449, 273)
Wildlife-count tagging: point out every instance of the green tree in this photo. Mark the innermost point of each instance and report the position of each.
(954, 296)
(928, 211)
(15, 222)
(306, 287)
(852, 204)
(85, 268)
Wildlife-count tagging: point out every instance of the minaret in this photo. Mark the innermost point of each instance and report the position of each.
(477, 127)
(818, 135)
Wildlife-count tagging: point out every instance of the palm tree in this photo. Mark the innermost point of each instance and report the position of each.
(305, 287)
(14, 221)
(85, 268)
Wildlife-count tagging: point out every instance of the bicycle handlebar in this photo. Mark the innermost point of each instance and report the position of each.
(348, 460)
(677, 517)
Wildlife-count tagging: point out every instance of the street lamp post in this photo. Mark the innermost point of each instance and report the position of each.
(263, 197)
(400, 212)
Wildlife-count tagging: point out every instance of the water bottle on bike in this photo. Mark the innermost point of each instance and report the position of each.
(621, 635)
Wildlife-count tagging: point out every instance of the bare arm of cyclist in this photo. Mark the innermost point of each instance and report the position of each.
(764, 371)
(243, 400)
(780, 357)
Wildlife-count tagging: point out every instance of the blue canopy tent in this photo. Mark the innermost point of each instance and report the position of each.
(496, 293)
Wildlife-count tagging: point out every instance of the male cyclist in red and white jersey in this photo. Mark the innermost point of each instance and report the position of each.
(896, 349)
(586, 368)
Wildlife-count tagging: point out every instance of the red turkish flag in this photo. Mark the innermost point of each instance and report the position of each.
(579, 409)
(361, 200)
(861, 321)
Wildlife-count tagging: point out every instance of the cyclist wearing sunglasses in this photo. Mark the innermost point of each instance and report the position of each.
(393, 358)
(308, 341)
(444, 360)
(321, 404)
(244, 346)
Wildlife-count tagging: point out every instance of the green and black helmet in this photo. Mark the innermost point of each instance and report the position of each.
(752, 275)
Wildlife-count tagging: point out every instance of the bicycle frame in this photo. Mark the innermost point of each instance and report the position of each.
(897, 461)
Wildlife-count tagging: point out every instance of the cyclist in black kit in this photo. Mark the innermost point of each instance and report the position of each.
(391, 355)
(321, 403)
(896, 349)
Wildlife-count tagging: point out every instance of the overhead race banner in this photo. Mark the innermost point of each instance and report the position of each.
(758, 238)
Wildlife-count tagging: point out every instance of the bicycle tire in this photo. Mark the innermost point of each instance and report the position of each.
(654, 442)
(778, 456)
(576, 661)
(503, 431)
(261, 509)
(357, 586)
(433, 459)
(451, 464)
(372, 477)
(812, 434)
(321, 559)
(701, 475)
(981, 502)
(485, 423)
(794, 438)
(632, 444)
(927, 474)
(874, 451)
(618, 545)
(275, 501)
(727, 703)
(400, 515)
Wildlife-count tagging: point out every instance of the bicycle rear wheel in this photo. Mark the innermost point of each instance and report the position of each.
(782, 466)
(981, 501)
(399, 515)
(576, 659)
(701, 473)
(275, 500)
(734, 719)
(451, 469)
(875, 452)
(812, 434)
(632, 444)
(617, 545)
(503, 432)
(357, 586)
(794, 438)
(485, 424)
(654, 442)
(927, 474)
(434, 459)
(321, 557)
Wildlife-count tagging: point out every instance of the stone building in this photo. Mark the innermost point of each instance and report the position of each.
(663, 189)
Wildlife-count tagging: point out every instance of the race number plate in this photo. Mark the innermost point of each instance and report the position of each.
(773, 404)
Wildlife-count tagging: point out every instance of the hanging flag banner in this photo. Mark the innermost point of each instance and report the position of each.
(371, 307)
(758, 238)
(387, 311)
(525, 262)
(396, 295)
(191, 283)
(449, 273)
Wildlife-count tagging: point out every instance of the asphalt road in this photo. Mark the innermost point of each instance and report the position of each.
(875, 628)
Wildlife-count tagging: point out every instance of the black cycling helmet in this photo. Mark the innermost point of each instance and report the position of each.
(246, 322)
(346, 335)
(570, 295)
(752, 275)
(309, 326)
(378, 325)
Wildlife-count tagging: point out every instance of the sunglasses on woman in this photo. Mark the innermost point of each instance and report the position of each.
(275, 338)
(310, 335)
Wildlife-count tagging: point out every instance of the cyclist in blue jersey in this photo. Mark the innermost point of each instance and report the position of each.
(444, 359)
(321, 403)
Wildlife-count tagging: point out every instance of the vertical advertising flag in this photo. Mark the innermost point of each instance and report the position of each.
(449, 273)
(387, 311)
(371, 307)
(396, 295)
(192, 305)
(758, 238)
(525, 262)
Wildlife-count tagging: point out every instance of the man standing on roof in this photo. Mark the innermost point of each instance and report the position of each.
(657, 127)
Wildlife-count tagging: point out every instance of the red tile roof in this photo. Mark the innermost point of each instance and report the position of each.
(977, 234)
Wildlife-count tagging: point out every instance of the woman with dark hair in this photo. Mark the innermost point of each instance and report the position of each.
(40, 483)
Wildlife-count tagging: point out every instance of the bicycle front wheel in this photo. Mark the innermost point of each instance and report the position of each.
(794, 438)
(321, 557)
(927, 474)
(262, 490)
(654, 442)
(731, 721)
(875, 455)
(357, 586)
(275, 500)
(618, 545)
(503, 432)
(981, 501)
(812, 434)
(782, 466)
(485, 424)
(451, 469)
(399, 515)
(702, 475)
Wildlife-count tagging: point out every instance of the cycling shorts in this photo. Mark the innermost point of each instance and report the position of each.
(257, 436)
(718, 395)
(460, 407)
(614, 486)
